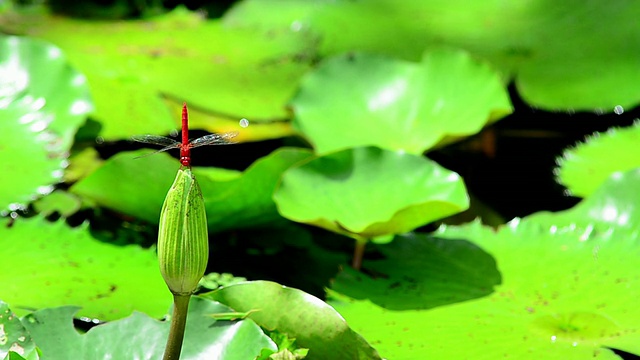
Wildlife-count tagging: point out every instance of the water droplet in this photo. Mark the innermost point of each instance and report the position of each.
(173, 133)
(27, 118)
(39, 125)
(45, 190)
(244, 122)
(16, 206)
(99, 140)
(80, 107)
(296, 26)
(598, 111)
(54, 53)
(618, 109)
(79, 80)
(609, 213)
(553, 338)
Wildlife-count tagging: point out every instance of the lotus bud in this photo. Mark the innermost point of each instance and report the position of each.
(183, 244)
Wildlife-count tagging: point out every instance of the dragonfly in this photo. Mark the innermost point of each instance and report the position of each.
(186, 145)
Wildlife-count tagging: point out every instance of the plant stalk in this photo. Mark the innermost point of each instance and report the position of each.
(178, 323)
(358, 253)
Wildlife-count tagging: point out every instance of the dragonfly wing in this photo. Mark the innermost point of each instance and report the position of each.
(157, 140)
(215, 139)
(155, 152)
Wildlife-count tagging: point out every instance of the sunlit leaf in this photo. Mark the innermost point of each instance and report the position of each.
(205, 338)
(14, 336)
(43, 101)
(130, 65)
(313, 323)
(132, 186)
(563, 54)
(232, 199)
(60, 202)
(584, 168)
(369, 192)
(359, 100)
(247, 200)
(50, 264)
(567, 282)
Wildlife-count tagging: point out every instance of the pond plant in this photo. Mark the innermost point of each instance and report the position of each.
(338, 226)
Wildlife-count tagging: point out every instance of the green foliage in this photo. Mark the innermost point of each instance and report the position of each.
(313, 323)
(54, 265)
(335, 192)
(52, 330)
(231, 199)
(564, 289)
(60, 202)
(43, 102)
(584, 168)
(15, 338)
(287, 349)
(359, 99)
(213, 281)
(371, 85)
(418, 273)
(552, 49)
(119, 184)
(129, 64)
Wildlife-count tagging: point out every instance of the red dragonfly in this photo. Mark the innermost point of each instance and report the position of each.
(185, 146)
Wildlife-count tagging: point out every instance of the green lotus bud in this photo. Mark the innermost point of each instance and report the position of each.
(183, 244)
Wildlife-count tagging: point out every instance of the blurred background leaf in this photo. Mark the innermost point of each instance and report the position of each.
(360, 99)
(552, 49)
(43, 101)
(132, 65)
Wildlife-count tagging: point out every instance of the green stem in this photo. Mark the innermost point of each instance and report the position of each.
(178, 323)
(358, 253)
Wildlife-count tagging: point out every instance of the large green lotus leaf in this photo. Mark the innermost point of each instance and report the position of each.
(584, 168)
(14, 335)
(129, 64)
(562, 296)
(132, 186)
(615, 203)
(314, 324)
(50, 264)
(142, 337)
(246, 201)
(359, 99)
(368, 192)
(43, 101)
(563, 54)
(422, 273)
(58, 201)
